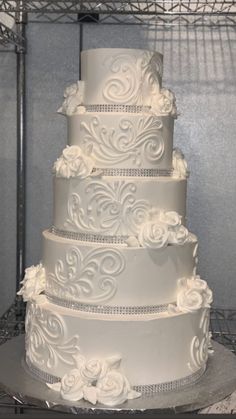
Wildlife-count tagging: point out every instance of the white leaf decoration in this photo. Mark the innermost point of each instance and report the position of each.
(90, 394)
(114, 361)
(54, 386)
(133, 395)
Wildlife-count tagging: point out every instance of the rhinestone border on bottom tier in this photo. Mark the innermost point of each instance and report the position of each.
(145, 389)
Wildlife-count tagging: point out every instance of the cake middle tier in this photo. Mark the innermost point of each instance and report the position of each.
(109, 275)
(112, 205)
(124, 140)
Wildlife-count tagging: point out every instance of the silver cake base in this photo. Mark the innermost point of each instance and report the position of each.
(218, 382)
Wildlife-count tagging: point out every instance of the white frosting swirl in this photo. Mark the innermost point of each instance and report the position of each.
(153, 234)
(73, 98)
(73, 163)
(33, 283)
(193, 294)
(72, 386)
(180, 168)
(114, 389)
(164, 103)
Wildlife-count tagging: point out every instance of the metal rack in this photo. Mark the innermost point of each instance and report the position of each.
(167, 13)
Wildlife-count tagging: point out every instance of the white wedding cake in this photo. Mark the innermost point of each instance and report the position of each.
(115, 308)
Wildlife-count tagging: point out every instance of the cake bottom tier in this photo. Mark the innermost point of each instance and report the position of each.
(158, 352)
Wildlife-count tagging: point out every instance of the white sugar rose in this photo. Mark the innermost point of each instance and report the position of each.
(179, 235)
(73, 98)
(199, 284)
(193, 293)
(180, 168)
(189, 300)
(73, 163)
(114, 389)
(168, 102)
(72, 386)
(171, 218)
(92, 370)
(33, 283)
(154, 235)
(165, 103)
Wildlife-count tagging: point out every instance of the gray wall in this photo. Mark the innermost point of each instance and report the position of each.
(199, 66)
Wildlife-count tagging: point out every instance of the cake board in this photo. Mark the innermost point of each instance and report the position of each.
(218, 382)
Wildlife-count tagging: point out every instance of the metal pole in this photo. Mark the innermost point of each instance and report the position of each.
(21, 19)
(81, 36)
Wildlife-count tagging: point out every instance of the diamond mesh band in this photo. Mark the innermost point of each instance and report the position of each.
(93, 238)
(117, 108)
(171, 385)
(101, 309)
(134, 172)
(144, 389)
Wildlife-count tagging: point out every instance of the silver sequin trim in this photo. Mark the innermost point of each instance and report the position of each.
(134, 172)
(101, 309)
(144, 389)
(117, 108)
(93, 238)
(171, 385)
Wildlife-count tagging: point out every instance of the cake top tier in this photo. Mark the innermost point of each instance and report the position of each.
(121, 76)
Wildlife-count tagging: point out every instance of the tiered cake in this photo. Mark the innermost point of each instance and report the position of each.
(115, 308)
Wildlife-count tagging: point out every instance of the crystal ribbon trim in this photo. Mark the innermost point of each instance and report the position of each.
(133, 172)
(94, 238)
(106, 309)
(144, 389)
(117, 108)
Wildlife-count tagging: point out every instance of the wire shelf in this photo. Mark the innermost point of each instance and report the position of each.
(8, 37)
(160, 13)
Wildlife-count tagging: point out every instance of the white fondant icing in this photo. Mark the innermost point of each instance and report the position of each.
(114, 205)
(125, 76)
(73, 163)
(33, 283)
(76, 270)
(124, 140)
(149, 345)
(91, 277)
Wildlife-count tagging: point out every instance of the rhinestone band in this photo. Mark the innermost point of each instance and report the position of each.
(144, 389)
(93, 238)
(134, 172)
(171, 385)
(100, 309)
(117, 108)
